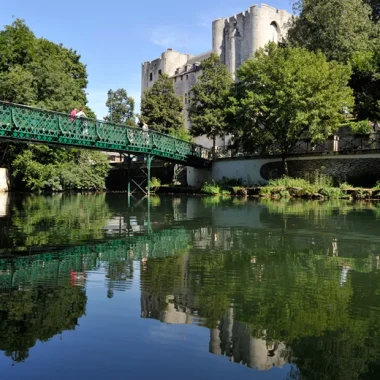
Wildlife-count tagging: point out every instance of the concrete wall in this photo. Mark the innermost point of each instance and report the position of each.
(4, 180)
(359, 170)
(246, 170)
(197, 177)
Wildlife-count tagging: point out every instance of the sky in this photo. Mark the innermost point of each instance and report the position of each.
(115, 37)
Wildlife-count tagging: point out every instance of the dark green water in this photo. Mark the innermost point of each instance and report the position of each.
(93, 286)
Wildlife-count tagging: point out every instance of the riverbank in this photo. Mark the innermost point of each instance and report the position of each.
(282, 188)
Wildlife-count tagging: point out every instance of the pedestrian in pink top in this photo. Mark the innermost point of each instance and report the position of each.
(73, 114)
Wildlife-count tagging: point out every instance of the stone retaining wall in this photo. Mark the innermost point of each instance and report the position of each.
(356, 171)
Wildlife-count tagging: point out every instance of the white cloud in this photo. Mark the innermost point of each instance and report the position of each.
(169, 37)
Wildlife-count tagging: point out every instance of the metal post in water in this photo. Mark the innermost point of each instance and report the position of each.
(129, 174)
(149, 160)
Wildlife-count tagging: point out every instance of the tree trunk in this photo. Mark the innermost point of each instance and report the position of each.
(285, 171)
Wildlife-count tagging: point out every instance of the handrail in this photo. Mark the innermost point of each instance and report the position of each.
(175, 148)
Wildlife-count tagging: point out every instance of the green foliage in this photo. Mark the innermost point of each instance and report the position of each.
(345, 186)
(331, 192)
(38, 72)
(346, 31)
(361, 127)
(288, 182)
(211, 188)
(122, 106)
(338, 28)
(209, 98)
(318, 178)
(239, 191)
(44, 169)
(230, 182)
(37, 314)
(180, 133)
(71, 219)
(155, 183)
(284, 94)
(161, 108)
(316, 183)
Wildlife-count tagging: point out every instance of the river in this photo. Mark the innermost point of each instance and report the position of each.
(102, 286)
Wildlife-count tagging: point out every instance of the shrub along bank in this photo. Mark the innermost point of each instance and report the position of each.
(288, 187)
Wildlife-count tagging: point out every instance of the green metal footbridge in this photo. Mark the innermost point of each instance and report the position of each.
(23, 123)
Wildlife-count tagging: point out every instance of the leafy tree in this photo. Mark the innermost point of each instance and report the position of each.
(285, 94)
(38, 72)
(122, 107)
(161, 108)
(44, 169)
(365, 82)
(338, 28)
(37, 314)
(345, 30)
(71, 219)
(208, 100)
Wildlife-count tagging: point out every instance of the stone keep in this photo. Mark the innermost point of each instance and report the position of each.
(234, 39)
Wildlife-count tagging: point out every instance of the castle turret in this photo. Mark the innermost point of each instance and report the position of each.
(218, 36)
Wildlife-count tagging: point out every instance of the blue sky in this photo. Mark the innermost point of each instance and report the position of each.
(114, 37)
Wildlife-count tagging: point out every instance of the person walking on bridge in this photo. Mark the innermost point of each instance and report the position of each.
(145, 129)
(81, 114)
(73, 114)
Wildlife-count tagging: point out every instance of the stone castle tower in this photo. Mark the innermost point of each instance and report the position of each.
(234, 39)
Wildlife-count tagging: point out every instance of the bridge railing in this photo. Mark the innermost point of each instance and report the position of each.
(34, 124)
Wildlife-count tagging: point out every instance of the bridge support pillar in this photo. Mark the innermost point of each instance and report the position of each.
(149, 160)
(129, 175)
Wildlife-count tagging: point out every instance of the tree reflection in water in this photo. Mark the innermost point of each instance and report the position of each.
(35, 314)
(288, 283)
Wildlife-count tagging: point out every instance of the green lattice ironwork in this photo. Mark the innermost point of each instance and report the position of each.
(18, 122)
(51, 266)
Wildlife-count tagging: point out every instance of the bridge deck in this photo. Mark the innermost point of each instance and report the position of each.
(23, 123)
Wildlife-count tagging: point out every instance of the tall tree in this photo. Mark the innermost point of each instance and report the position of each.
(208, 100)
(284, 94)
(338, 28)
(346, 31)
(38, 72)
(122, 107)
(161, 108)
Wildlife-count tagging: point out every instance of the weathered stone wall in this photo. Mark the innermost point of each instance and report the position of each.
(237, 38)
(169, 61)
(234, 39)
(197, 177)
(363, 171)
(358, 170)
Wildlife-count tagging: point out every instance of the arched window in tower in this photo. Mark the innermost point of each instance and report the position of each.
(274, 32)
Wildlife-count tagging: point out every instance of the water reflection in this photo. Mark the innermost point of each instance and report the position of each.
(275, 283)
(37, 313)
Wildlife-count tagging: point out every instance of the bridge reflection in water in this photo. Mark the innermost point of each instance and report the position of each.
(280, 283)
